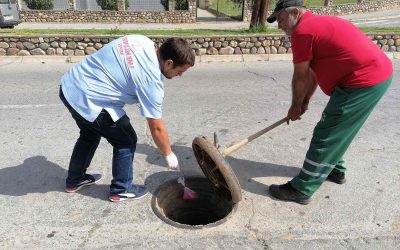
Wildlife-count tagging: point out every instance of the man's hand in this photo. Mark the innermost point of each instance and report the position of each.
(304, 107)
(172, 161)
(294, 113)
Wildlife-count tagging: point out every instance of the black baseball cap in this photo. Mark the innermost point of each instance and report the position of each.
(283, 4)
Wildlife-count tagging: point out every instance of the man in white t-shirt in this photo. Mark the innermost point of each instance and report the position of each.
(128, 70)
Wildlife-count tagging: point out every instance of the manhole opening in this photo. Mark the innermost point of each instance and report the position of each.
(209, 209)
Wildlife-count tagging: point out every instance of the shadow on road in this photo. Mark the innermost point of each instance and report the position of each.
(35, 175)
(38, 175)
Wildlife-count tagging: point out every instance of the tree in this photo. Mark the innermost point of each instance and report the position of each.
(259, 15)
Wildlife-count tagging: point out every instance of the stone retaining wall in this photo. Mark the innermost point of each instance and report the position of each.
(229, 45)
(74, 16)
(106, 16)
(173, 16)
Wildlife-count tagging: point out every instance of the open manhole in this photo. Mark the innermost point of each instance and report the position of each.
(211, 208)
(218, 194)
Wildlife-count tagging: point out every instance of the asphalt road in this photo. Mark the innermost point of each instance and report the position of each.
(232, 99)
(383, 22)
(383, 18)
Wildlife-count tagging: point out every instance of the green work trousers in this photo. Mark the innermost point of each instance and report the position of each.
(342, 118)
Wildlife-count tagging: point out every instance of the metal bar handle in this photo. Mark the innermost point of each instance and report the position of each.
(243, 142)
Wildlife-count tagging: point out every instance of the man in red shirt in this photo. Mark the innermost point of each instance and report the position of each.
(335, 55)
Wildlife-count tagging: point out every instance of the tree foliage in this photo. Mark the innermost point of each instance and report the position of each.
(179, 4)
(39, 4)
(110, 4)
(182, 5)
(165, 4)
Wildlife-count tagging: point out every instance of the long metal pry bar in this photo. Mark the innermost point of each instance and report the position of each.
(243, 142)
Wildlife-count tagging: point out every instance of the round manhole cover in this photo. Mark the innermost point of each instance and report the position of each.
(216, 169)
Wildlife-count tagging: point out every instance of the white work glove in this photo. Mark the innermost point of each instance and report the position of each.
(172, 161)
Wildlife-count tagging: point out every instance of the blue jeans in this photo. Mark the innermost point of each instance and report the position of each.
(119, 134)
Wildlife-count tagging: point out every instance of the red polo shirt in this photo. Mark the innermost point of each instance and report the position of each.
(339, 53)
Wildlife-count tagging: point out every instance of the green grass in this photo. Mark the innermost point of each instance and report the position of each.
(380, 30)
(168, 33)
(227, 7)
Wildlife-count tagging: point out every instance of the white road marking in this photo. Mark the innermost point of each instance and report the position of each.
(28, 106)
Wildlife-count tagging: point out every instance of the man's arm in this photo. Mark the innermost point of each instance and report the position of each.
(303, 87)
(160, 135)
(310, 92)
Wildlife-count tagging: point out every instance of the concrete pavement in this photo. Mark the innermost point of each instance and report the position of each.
(239, 99)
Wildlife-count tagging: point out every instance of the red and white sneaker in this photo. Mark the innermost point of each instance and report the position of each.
(135, 193)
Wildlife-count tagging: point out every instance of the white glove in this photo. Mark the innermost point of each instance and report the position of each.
(172, 161)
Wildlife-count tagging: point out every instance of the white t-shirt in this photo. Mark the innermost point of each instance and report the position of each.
(125, 71)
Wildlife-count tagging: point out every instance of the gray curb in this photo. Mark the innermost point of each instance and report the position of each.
(199, 59)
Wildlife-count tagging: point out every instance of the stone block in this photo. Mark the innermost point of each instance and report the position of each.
(37, 52)
(12, 51)
(4, 45)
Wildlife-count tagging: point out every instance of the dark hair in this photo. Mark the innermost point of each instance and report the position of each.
(178, 50)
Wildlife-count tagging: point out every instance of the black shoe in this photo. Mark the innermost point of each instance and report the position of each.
(337, 177)
(287, 193)
(90, 179)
